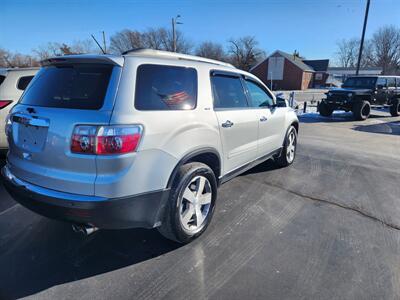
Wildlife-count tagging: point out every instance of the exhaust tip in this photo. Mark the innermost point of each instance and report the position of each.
(84, 229)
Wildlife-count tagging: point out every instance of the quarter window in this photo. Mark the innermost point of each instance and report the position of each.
(23, 82)
(259, 97)
(161, 87)
(2, 79)
(228, 92)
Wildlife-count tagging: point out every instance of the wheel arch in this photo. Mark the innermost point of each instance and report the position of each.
(208, 156)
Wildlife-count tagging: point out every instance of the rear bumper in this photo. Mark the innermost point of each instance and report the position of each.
(144, 210)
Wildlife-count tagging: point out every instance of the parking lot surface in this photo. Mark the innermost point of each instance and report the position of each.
(327, 227)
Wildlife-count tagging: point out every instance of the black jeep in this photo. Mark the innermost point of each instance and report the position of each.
(359, 93)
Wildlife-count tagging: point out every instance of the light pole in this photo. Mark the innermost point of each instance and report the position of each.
(362, 38)
(174, 23)
(270, 74)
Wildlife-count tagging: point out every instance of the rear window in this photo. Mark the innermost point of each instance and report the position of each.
(2, 79)
(165, 88)
(23, 82)
(79, 86)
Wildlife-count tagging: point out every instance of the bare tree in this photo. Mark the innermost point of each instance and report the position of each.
(48, 50)
(84, 46)
(125, 40)
(154, 38)
(211, 50)
(347, 53)
(4, 58)
(386, 49)
(14, 60)
(183, 45)
(244, 52)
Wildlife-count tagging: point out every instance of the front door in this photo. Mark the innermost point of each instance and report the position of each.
(271, 118)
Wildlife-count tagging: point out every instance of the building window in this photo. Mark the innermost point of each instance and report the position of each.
(319, 76)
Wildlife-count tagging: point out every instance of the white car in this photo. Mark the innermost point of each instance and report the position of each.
(140, 140)
(13, 82)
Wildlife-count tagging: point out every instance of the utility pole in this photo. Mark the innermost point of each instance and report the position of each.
(362, 37)
(174, 23)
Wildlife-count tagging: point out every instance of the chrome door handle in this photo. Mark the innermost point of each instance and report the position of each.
(263, 119)
(227, 124)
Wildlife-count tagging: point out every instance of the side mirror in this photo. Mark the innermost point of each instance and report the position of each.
(280, 102)
(380, 86)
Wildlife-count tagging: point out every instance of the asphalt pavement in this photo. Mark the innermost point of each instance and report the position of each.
(327, 227)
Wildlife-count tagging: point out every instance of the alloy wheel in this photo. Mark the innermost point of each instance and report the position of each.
(291, 146)
(195, 204)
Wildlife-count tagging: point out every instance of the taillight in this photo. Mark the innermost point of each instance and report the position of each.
(4, 103)
(103, 140)
(84, 139)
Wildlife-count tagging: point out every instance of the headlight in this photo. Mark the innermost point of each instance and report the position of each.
(350, 95)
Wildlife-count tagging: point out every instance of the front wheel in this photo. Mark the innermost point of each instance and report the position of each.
(288, 152)
(395, 108)
(191, 203)
(325, 110)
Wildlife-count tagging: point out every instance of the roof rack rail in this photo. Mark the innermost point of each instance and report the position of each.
(173, 55)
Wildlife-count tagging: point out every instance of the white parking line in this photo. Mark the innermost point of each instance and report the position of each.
(8, 209)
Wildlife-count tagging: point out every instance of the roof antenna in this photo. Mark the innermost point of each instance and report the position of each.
(102, 50)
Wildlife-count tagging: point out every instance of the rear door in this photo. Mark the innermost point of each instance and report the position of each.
(59, 98)
(391, 87)
(271, 118)
(238, 123)
(382, 90)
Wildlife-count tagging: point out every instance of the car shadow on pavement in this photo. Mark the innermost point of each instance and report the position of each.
(335, 118)
(47, 253)
(391, 128)
(266, 166)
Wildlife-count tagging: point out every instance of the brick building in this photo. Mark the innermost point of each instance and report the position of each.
(288, 72)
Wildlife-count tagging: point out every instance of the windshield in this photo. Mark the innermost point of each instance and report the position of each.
(79, 86)
(360, 82)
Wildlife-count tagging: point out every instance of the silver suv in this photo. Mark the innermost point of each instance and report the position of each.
(140, 140)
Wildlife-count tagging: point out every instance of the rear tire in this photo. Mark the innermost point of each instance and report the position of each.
(361, 110)
(191, 203)
(325, 110)
(288, 153)
(395, 108)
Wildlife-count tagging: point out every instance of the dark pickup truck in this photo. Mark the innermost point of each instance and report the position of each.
(359, 93)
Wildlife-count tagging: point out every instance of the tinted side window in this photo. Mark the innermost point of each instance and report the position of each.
(259, 97)
(23, 82)
(165, 88)
(228, 92)
(391, 82)
(2, 79)
(381, 81)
